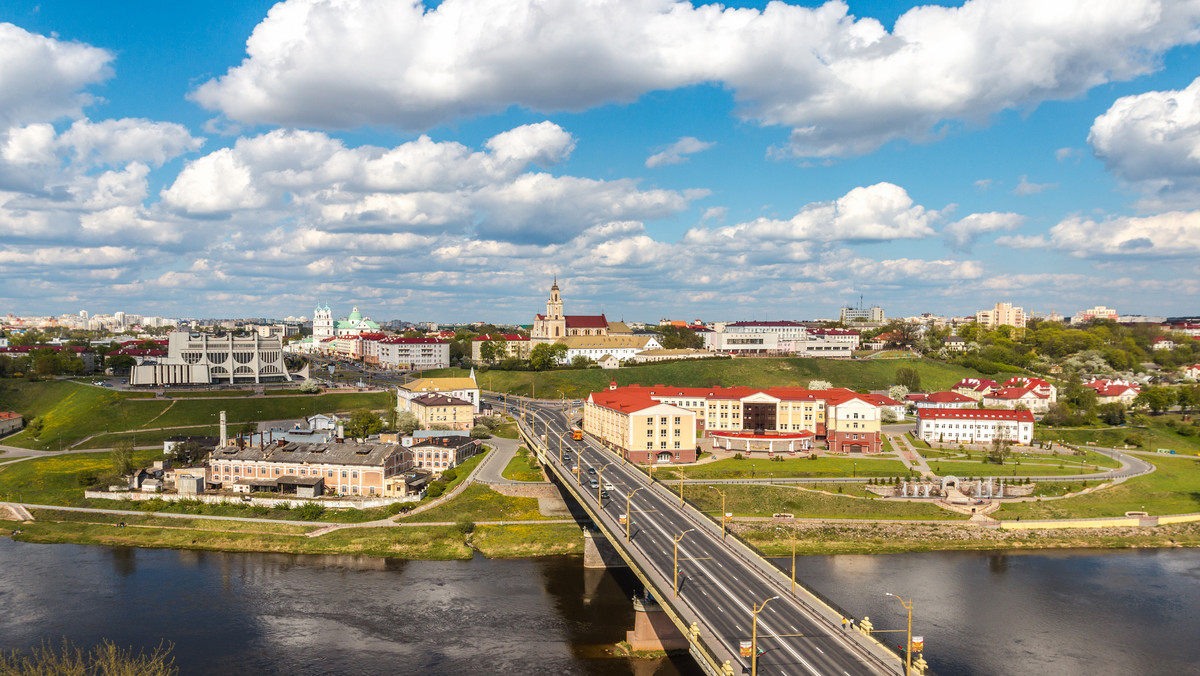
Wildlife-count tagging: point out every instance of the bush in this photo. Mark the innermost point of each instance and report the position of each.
(311, 511)
(738, 456)
(435, 490)
(450, 474)
(86, 479)
(465, 526)
(1135, 440)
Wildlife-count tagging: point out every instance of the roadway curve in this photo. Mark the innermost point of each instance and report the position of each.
(719, 583)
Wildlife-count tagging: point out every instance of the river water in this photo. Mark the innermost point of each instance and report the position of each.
(1065, 613)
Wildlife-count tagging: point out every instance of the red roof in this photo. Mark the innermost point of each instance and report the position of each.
(139, 352)
(642, 396)
(506, 336)
(8, 415)
(783, 322)
(401, 340)
(1023, 381)
(976, 384)
(586, 322)
(973, 414)
(834, 332)
(1015, 393)
(948, 398)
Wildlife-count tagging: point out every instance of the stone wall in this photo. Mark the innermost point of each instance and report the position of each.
(214, 499)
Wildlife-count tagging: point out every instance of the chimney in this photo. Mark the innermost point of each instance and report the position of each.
(224, 432)
(341, 430)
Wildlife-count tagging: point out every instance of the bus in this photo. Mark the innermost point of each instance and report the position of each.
(576, 434)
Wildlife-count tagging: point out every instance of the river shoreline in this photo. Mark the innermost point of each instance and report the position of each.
(556, 539)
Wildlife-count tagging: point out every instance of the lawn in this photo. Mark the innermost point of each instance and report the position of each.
(55, 480)
(480, 503)
(1174, 488)
(145, 437)
(523, 467)
(1156, 435)
(525, 540)
(202, 394)
(1025, 464)
(506, 431)
(822, 466)
(748, 500)
(750, 372)
(138, 520)
(74, 411)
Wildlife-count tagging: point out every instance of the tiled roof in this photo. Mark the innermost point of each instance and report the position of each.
(976, 384)
(440, 400)
(1015, 393)
(400, 340)
(586, 322)
(439, 385)
(507, 337)
(833, 332)
(948, 398)
(973, 414)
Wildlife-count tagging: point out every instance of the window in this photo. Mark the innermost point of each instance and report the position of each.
(354, 490)
(331, 473)
(662, 444)
(343, 474)
(677, 446)
(676, 420)
(278, 471)
(649, 433)
(371, 490)
(662, 433)
(662, 421)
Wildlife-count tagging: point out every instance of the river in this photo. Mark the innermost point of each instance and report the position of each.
(1063, 613)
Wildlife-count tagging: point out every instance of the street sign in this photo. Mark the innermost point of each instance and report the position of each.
(747, 648)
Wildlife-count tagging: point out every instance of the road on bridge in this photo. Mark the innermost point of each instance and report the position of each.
(718, 583)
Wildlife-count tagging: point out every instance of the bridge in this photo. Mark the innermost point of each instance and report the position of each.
(720, 594)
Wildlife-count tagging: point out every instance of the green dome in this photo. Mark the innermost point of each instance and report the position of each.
(355, 315)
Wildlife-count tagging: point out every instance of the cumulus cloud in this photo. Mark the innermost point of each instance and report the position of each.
(1152, 140)
(42, 79)
(983, 184)
(844, 85)
(677, 152)
(876, 213)
(1174, 234)
(961, 235)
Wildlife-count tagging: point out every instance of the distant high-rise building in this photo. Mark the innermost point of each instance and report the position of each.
(873, 314)
(1004, 314)
(1098, 312)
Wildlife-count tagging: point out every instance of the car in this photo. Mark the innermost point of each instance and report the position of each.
(593, 484)
(591, 470)
(608, 486)
(603, 494)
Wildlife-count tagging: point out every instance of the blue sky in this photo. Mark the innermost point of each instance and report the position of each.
(664, 159)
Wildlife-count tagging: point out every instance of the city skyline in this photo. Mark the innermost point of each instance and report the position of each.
(663, 159)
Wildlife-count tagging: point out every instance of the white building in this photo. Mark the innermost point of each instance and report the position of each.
(974, 426)
(734, 341)
(1004, 314)
(623, 348)
(871, 315)
(466, 389)
(412, 353)
(1098, 312)
(201, 359)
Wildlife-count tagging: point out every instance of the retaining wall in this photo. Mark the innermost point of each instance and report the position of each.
(135, 496)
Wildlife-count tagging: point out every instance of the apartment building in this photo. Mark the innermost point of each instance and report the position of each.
(974, 426)
(443, 409)
(1004, 314)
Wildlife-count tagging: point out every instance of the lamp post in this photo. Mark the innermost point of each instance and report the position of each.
(681, 488)
(600, 482)
(908, 643)
(755, 610)
(722, 511)
(677, 539)
(854, 472)
(629, 514)
(650, 481)
(560, 447)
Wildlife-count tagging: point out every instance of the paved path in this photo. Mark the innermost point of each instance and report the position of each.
(490, 470)
(910, 456)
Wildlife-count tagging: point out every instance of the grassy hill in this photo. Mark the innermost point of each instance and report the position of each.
(767, 372)
(73, 411)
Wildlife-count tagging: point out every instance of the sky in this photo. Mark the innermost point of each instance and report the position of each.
(445, 161)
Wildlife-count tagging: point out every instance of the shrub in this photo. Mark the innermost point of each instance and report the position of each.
(436, 488)
(311, 511)
(465, 526)
(450, 474)
(1135, 440)
(738, 456)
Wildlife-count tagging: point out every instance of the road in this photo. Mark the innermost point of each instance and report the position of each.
(718, 583)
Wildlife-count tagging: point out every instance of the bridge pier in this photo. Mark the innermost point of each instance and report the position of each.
(598, 552)
(652, 629)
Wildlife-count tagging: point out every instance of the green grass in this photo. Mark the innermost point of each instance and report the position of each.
(1174, 488)
(747, 500)
(480, 503)
(74, 411)
(55, 480)
(145, 437)
(523, 467)
(524, 540)
(1155, 436)
(506, 431)
(766, 372)
(132, 520)
(822, 466)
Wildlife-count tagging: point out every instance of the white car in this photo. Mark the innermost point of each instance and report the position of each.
(608, 486)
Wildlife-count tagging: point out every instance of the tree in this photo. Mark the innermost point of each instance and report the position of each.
(481, 432)
(406, 422)
(909, 377)
(310, 387)
(122, 457)
(547, 355)
(678, 337)
(819, 384)
(1187, 397)
(1157, 399)
(187, 453)
(363, 423)
(1001, 448)
(1112, 413)
(581, 362)
(897, 392)
(888, 414)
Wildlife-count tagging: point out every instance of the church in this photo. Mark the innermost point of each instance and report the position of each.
(554, 326)
(324, 325)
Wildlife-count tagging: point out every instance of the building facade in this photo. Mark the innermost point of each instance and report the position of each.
(466, 389)
(554, 325)
(201, 359)
(344, 469)
(1004, 314)
(505, 345)
(974, 426)
(443, 409)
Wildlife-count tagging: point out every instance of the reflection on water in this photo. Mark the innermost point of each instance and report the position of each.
(1065, 613)
(266, 613)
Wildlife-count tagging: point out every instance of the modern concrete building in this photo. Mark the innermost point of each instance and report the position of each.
(201, 359)
(1004, 314)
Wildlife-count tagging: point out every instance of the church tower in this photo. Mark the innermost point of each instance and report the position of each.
(322, 323)
(554, 305)
(551, 326)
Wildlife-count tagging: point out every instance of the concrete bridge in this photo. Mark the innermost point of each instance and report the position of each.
(723, 600)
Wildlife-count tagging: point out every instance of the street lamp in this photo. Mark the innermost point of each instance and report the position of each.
(854, 472)
(600, 482)
(908, 644)
(677, 539)
(629, 514)
(722, 511)
(755, 610)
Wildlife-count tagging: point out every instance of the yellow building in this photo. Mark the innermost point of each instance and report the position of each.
(445, 410)
(639, 428)
(466, 389)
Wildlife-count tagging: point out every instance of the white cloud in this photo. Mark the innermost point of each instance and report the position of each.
(1152, 140)
(983, 184)
(41, 78)
(1170, 235)
(961, 235)
(676, 153)
(1023, 241)
(1024, 187)
(1064, 154)
(876, 213)
(128, 140)
(844, 85)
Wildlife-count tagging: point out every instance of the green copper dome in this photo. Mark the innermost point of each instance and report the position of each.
(355, 315)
